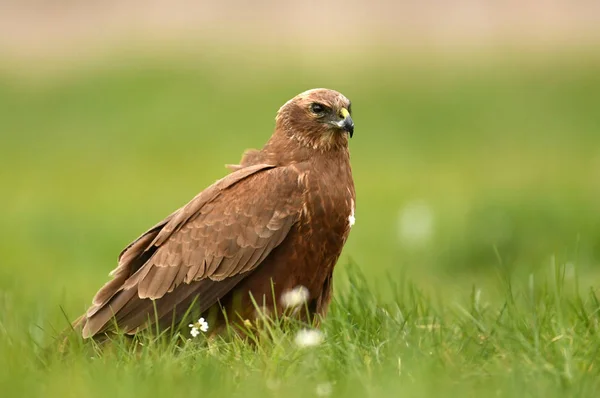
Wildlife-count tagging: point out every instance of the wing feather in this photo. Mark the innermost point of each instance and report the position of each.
(222, 235)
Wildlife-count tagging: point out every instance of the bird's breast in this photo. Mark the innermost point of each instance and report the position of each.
(329, 208)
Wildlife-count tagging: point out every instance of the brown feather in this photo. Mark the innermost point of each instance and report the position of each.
(280, 219)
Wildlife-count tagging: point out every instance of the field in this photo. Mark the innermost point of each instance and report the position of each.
(471, 270)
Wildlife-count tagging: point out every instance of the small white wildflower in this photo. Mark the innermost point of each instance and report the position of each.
(200, 326)
(308, 338)
(416, 224)
(324, 389)
(203, 325)
(295, 297)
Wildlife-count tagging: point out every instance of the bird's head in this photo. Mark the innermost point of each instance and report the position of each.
(317, 118)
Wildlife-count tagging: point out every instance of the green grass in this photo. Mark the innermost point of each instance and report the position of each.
(537, 339)
(500, 154)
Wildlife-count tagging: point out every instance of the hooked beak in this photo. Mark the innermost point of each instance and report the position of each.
(346, 124)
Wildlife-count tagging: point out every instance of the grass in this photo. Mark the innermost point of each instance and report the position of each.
(470, 271)
(538, 339)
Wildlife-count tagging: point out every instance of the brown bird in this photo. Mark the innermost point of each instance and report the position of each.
(279, 220)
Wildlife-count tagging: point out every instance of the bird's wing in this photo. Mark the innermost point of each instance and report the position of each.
(222, 234)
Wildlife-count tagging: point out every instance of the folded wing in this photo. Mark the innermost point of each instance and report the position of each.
(201, 251)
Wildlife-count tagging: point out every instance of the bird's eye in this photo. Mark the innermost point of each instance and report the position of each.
(316, 108)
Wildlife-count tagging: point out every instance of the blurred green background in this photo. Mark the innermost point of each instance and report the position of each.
(463, 165)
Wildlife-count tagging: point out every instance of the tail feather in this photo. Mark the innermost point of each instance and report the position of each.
(130, 313)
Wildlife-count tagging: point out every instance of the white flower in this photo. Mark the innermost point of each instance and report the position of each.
(416, 224)
(308, 338)
(295, 297)
(203, 325)
(200, 326)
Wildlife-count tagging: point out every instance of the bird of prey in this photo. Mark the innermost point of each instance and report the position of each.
(277, 221)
